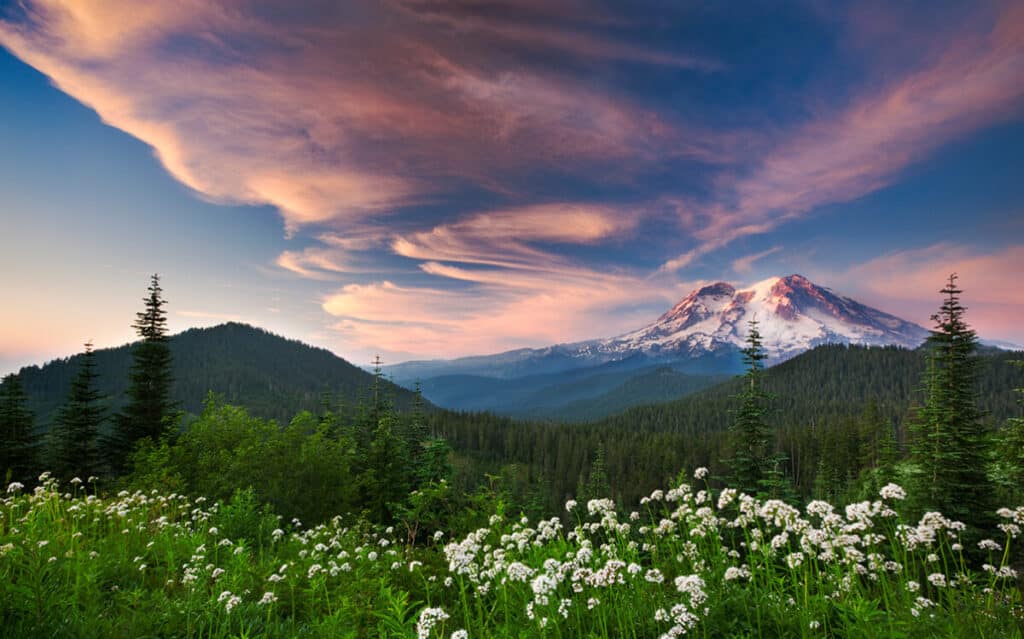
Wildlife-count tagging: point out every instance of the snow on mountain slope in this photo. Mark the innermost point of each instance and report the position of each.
(703, 331)
(794, 315)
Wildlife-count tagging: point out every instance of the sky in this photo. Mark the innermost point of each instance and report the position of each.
(429, 178)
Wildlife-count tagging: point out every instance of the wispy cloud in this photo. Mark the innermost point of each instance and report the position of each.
(745, 264)
(287, 112)
(504, 237)
(335, 255)
(496, 313)
(510, 291)
(855, 150)
(528, 26)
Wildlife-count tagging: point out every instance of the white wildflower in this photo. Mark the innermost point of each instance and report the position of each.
(988, 544)
(429, 617)
(892, 492)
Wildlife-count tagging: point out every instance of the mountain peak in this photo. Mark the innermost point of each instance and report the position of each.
(794, 313)
(718, 288)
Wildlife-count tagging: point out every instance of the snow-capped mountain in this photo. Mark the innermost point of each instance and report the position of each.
(793, 313)
(702, 334)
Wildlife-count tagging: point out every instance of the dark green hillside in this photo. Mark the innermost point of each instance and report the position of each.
(820, 394)
(272, 376)
(569, 396)
(660, 384)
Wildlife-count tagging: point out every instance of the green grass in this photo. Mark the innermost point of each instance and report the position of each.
(151, 565)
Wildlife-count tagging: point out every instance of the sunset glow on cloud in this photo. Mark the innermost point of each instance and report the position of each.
(427, 179)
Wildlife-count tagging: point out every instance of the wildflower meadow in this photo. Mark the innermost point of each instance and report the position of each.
(689, 562)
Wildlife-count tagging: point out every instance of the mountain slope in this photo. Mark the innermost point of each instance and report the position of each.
(660, 384)
(579, 394)
(700, 336)
(272, 376)
(703, 333)
(794, 314)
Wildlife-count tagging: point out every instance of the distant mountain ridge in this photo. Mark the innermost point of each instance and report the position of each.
(700, 336)
(272, 376)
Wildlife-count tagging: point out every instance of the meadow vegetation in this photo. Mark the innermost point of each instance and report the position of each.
(690, 561)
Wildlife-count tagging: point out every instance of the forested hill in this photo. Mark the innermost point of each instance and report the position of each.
(820, 398)
(826, 383)
(272, 376)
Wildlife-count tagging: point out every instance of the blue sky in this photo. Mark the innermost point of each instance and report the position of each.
(437, 179)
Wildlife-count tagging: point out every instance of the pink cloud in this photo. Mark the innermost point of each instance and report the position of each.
(496, 290)
(534, 32)
(503, 237)
(907, 283)
(495, 314)
(746, 263)
(301, 121)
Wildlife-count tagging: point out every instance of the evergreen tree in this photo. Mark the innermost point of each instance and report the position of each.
(148, 410)
(597, 485)
(378, 399)
(750, 435)
(876, 449)
(75, 451)
(386, 482)
(951, 442)
(416, 435)
(434, 464)
(19, 454)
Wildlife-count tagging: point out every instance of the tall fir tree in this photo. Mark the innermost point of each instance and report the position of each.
(149, 407)
(597, 485)
(78, 423)
(750, 434)
(19, 449)
(417, 436)
(950, 447)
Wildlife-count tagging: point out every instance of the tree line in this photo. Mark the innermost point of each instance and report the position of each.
(833, 423)
(368, 459)
(76, 447)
